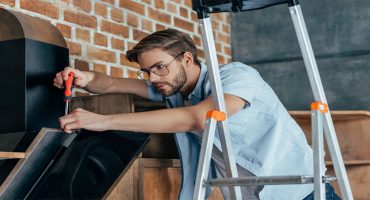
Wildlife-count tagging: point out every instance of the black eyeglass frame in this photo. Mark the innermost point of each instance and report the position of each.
(149, 70)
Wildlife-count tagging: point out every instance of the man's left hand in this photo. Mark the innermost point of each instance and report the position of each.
(81, 118)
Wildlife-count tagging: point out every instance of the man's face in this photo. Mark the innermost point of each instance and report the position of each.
(168, 84)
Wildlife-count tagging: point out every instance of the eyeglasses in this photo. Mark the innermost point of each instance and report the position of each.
(157, 69)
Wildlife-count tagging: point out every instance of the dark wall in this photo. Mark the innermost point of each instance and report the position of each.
(340, 36)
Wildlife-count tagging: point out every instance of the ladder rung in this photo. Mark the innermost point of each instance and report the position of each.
(262, 180)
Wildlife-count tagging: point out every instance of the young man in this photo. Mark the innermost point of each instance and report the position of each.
(266, 141)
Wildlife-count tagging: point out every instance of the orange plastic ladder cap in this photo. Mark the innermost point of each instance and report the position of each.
(217, 115)
(322, 107)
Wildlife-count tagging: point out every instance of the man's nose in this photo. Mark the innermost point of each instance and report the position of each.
(153, 77)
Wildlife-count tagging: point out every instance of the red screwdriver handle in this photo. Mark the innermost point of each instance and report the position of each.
(68, 91)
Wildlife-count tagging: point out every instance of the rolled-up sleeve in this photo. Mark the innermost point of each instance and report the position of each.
(240, 80)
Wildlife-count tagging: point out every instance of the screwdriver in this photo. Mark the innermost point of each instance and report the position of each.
(68, 92)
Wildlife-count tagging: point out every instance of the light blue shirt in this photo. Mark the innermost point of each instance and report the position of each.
(265, 139)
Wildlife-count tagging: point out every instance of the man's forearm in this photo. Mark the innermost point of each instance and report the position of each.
(159, 121)
(98, 83)
(102, 84)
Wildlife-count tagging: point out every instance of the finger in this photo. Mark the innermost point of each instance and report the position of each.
(58, 86)
(67, 119)
(59, 79)
(78, 81)
(76, 73)
(72, 126)
(68, 124)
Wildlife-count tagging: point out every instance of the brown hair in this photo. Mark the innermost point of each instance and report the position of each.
(172, 41)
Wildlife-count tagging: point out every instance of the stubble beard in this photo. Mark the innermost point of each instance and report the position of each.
(178, 82)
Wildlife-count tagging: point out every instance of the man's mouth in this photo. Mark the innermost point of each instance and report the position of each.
(160, 86)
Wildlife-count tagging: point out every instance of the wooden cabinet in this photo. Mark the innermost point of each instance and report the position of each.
(353, 132)
(150, 179)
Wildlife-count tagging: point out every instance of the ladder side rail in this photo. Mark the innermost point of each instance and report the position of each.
(204, 159)
(318, 154)
(319, 95)
(219, 101)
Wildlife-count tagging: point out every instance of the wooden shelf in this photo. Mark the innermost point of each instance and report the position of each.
(351, 162)
(336, 114)
(12, 155)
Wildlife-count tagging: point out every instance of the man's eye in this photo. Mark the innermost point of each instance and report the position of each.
(158, 67)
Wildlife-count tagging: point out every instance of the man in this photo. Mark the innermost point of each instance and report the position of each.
(266, 141)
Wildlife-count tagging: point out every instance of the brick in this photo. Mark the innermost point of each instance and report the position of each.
(197, 40)
(226, 28)
(74, 48)
(124, 61)
(83, 5)
(218, 47)
(215, 25)
(117, 29)
(159, 4)
(80, 19)
(227, 50)
(117, 15)
(188, 3)
(198, 30)
(41, 7)
(159, 16)
(218, 16)
(132, 74)
(184, 24)
(159, 27)
(138, 35)
(111, 2)
(65, 30)
(193, 16)
(81, 65)
(149, 2)
(227, 18)
(184, 12)
(8, 2)
(172, 8)
(221, 59)
(100, 68)
(100, 9)
(101, 54)
(116, 72)
(223, 38)
(82, 34)
(132, 20)
(147, 25)
(132, 6)
(117, 44)
(100, 39)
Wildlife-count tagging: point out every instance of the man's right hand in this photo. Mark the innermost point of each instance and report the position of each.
(81, 78)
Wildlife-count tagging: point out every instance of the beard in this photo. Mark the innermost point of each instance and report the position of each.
(176, 84)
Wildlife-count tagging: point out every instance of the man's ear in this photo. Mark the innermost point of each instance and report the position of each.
(188, 58)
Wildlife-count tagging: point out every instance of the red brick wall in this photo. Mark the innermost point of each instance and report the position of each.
(99, 32)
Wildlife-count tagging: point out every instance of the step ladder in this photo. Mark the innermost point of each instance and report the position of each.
(321, 118)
